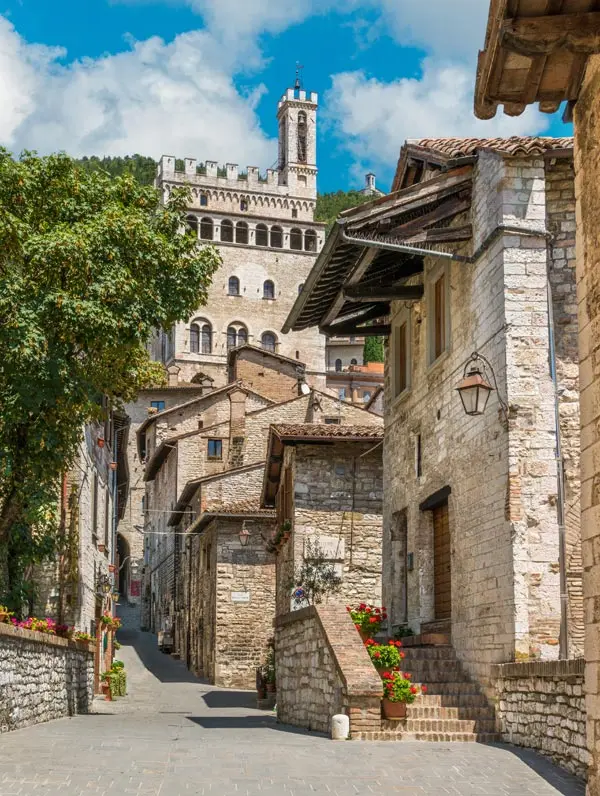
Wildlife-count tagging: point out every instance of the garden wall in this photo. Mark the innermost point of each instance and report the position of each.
(323, 669)
(42, 677)
(541, 705)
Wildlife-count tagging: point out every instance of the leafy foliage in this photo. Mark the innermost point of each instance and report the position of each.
(316, 577)
(89, 267)
(330, 205)
(139, 166)
(373, 350)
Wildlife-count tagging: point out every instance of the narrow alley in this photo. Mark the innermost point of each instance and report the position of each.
(176, 735)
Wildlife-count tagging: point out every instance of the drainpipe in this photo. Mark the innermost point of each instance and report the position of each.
(560, 480)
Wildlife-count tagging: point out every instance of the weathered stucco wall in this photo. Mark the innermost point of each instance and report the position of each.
(323, 669)
(542, 706)
(587, 187)
(42, 678)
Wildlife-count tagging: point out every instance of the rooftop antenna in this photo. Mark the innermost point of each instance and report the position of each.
(298, 83)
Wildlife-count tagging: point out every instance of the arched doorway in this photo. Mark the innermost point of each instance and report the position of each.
(123, 577)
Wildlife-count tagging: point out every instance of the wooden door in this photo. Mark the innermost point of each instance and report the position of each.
(442, 563)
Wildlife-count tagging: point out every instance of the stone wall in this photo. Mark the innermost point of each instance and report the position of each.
(587, 187)
(42, 678)
(323, 669)
(338, 497)
(542, 706)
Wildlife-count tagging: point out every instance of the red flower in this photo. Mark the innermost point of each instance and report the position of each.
(389, 686)
(413, 689)
(357, 626)
(423, 689)
(362, 607)
(387, 675)
(407, 675)
(384, 616)
(383, 607)
(373, 619)
(348, 608)
(378, 610)
(368, 610)
(398, 643)
(377, 655)
(402, 655)
(369, 642)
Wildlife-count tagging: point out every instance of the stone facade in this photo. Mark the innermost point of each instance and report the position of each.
(265, 232)
(230, 589)
(323, 669)
(587, 186)
(542, 706)
(337, 501)
(42, 678)
(497, 474)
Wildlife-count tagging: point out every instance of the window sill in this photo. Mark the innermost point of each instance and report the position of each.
(438, 363)
(214, 458)
(400, 399)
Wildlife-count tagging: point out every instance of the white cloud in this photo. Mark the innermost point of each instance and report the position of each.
(373, 119)
(177, 98)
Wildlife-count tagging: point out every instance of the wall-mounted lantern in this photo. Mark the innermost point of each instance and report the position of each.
(244, 535)
(475, 388)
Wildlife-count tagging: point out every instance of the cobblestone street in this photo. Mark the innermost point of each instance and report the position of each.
(175, 735)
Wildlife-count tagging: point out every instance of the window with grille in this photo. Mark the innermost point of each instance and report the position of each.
(207, 230)
(276, 238)
(269, 289)
(268, 341)
(241, 232)
(262, 235)
(227, 231)
(233, 287)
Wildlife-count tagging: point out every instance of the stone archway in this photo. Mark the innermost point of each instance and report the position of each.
(123, 579)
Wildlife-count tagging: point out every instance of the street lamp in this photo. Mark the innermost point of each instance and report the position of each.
(475, 389)
(244, 535)
(103, 585)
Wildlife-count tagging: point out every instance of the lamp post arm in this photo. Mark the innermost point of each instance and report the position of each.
(475, 356)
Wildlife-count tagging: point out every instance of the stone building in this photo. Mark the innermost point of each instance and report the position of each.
(265, 231)
(356, 383)
(549, 76)
(471, 517)
(327, 482)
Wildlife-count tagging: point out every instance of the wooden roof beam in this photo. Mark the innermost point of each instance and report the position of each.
(532, 36)
(385, 293)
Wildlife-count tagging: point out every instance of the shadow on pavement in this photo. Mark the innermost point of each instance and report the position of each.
(247, 723)
(162, 666)
(561, 780)
(230, 699)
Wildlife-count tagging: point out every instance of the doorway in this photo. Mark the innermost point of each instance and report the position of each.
(442, 566)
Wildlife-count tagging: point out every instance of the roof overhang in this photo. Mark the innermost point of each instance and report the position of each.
(535, 51)
(375, 253)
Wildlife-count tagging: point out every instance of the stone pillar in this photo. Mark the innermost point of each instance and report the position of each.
(587, 194)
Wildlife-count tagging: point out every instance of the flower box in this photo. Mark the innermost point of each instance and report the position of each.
(393, 710)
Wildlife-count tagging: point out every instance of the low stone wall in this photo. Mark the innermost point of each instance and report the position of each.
(42, 677)
(323, 669)
(541, 705)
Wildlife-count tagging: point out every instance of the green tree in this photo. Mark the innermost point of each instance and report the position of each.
(330, 205)
(89, 267)
(139, 166)
(373, 350)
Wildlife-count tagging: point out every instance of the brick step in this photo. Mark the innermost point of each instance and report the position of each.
(451, 737)
(452, 687)
(451, 700)
(435, 674)
(450, 725)
(415, 711)
(427, 640)
(429, 654)
(432, 737)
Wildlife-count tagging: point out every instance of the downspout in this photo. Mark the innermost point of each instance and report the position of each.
(560, 480)
(115, 511)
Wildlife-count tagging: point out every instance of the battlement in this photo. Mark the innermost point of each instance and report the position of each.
(298, 95)
(228, 174)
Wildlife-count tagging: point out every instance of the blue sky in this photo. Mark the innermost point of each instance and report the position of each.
(202, 78)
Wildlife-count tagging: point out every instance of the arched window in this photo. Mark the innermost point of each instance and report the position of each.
(302, 136)
(227, 231)
(310, 241)
(237, 335)
(203, 200)
(296, 240)
(192, 224)
(262, 235)
(201, 337)
(276, 238)
(207, 229)
(241, 232)
(268, 341)
(233, 287)
(338, 365)
(353, 362)
(243, 205)
(268, 290)
(300, 287)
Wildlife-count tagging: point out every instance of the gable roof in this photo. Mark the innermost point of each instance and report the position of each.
(242, 509)
(234, 353)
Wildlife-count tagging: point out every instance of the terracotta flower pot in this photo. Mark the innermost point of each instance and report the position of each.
(393, 710)
(100, 442)
(271, 688)
(261, 693)
(106, 691)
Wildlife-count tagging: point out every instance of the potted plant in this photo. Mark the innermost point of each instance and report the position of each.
(270, 674)
(385, 657)
(5, 614)
(286, 529)
(108, 685)
(398, 693)
(367, 619)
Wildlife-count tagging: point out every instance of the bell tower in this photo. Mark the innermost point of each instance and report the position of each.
(297, 116)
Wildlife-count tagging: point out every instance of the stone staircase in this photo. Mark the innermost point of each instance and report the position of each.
(454, 709)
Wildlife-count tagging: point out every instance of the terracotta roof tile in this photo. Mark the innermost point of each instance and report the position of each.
(515, 145)
(248, 506)
(327, 431)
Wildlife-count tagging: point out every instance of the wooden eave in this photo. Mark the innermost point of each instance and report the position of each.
(353, 284)
(535, 51)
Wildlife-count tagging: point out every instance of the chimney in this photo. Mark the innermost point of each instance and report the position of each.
(370, 181)
(173, 375)
(237, 413)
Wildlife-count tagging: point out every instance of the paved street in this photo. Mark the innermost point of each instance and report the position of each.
(175, 735)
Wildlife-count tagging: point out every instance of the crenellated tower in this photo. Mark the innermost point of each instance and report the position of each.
(297, 116)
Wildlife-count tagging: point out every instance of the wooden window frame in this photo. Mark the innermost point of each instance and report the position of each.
(438, 313)
(214, 457)
(401, 354)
